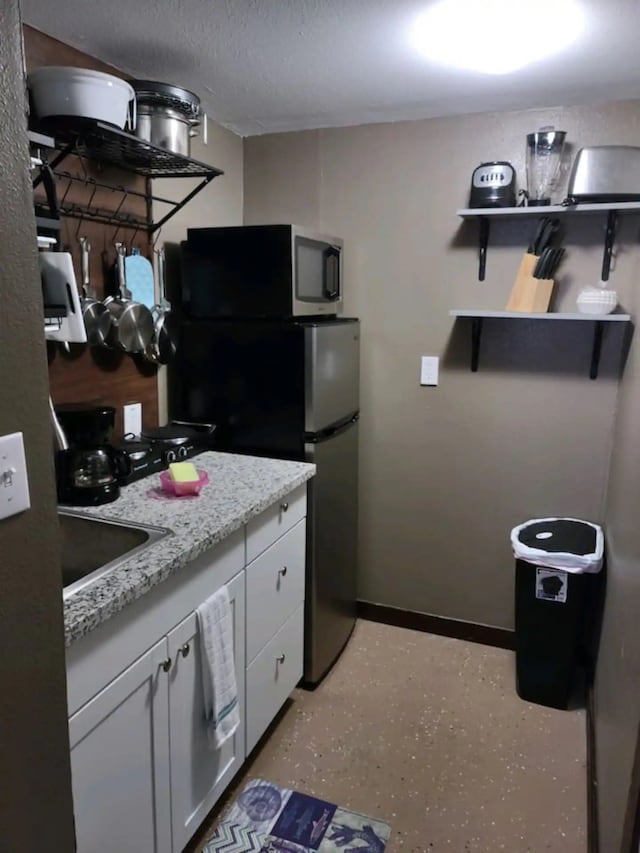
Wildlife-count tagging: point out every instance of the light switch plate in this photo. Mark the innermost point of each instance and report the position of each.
(14, 484)
(429, 369)
(133, 418)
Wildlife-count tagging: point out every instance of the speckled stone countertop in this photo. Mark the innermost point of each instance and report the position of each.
(239, 488)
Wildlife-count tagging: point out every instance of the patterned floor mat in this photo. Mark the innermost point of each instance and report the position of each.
(267, 819)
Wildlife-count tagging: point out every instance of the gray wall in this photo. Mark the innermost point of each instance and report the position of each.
(447, 471)
(617, 696)
(35, 804)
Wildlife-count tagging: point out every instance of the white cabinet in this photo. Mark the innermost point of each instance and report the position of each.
(275, 588)
(275, 610)
(120, 762)
(144, 775)
(273, 675)
(200, 774)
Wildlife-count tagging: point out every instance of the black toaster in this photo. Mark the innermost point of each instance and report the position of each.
(493, 185)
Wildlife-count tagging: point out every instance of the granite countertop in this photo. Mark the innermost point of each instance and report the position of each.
(239, 488)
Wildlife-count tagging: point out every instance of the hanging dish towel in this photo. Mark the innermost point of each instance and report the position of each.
(219, 687)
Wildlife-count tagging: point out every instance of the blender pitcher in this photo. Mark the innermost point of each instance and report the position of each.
(544, 158)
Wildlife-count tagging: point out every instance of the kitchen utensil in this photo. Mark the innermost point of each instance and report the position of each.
(167, 115)
(183, 490)
(96, 316)
(139, 273)
(131, 323)
(597, 300)
(493, 185)
(163, 345)
(549, 229)
(60, 288)
(544, 158)
(60, 92)
(605, 173)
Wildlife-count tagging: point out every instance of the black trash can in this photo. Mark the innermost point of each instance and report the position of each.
(558, 561)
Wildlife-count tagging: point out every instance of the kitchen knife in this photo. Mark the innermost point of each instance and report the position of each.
(533, 244)
(548, 231)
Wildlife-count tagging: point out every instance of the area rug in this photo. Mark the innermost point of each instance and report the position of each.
(267, 819)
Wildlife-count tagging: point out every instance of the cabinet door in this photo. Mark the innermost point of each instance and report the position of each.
(275, 588)
(200, 774)
(120, 762)
(273, 675)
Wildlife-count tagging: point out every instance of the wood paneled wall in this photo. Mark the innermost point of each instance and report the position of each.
(88, 374)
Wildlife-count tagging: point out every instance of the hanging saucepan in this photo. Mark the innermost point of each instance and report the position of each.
(131, 322)
(163, 345)
(96, 315)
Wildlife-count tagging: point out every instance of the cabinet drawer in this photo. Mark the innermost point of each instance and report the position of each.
(275, 587)
(274, 521)
(273, 675)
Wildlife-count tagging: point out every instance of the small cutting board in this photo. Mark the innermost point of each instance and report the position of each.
(140, 283)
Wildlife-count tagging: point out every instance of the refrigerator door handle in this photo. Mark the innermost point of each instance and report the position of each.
(332, 431)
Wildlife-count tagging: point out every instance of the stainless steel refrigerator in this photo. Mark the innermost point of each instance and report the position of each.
(289, 389)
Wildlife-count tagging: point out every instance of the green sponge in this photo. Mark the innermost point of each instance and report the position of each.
(183, 472)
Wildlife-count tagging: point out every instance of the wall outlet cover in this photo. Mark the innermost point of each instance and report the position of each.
(429, 365)
(132, 418)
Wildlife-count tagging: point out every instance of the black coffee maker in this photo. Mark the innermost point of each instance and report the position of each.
(87, 469)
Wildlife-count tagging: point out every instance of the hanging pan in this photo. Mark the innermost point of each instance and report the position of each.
(162, 348)
(96, 316)
(131, 322)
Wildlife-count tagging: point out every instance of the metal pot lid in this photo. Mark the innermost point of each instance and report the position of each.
(153, 92)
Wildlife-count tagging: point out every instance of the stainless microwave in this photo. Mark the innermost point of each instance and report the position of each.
(261, 271)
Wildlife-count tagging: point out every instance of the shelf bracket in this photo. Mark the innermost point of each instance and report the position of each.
(610, 236)
(62, 155)
(483, 242)
(476, 334)
(597, 349)
(156, 225)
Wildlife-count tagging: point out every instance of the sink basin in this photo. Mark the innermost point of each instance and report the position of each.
(92, 546)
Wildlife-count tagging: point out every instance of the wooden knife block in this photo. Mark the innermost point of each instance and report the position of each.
(530, 294)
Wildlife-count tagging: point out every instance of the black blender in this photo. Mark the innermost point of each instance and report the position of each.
(87, 469)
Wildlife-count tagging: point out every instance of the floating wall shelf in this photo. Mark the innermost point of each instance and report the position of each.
(486, 214)
(599, 321)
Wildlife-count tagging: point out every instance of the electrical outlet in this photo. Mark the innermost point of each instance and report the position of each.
(429, 369)
(14, 484)
(133, 418)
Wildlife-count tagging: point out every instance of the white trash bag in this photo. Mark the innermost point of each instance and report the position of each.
(545, 542)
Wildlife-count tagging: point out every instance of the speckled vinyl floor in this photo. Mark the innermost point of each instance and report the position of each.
(428, 734)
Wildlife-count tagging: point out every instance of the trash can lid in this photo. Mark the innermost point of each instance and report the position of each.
(560, 543)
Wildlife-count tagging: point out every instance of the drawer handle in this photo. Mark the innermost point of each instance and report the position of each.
(166, 665)
(283, 571)
(280, 658)
(284, 506)
(184, 650)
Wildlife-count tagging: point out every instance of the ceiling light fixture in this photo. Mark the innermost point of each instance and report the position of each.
(496, 36)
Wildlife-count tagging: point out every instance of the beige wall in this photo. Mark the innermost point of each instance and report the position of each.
(447, 471)
(35, 788)
(617, 695)
(219, 203)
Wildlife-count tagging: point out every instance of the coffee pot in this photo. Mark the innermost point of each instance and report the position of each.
(87, 468)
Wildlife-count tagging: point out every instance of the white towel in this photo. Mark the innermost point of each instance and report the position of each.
(219, 686)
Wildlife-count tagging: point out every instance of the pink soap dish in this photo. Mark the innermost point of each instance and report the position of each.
(182, 490)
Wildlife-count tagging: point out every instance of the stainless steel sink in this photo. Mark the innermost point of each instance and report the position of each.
(92, 546)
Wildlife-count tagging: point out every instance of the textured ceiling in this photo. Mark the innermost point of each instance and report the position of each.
(261, 66)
